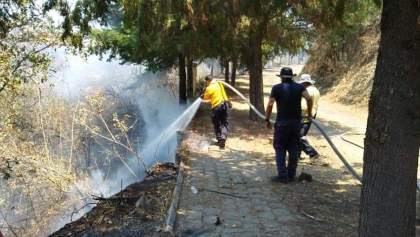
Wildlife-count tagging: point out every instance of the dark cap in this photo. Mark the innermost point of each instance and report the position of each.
(208, 77)
(286, 72)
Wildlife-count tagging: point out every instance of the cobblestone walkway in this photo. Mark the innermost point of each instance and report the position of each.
(233, 185)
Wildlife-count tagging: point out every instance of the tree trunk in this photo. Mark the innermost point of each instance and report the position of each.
(226, 62)
(388, 196)
(256, 95)
(182, 80)
(234, 67)
(190, 80)
(222, 64)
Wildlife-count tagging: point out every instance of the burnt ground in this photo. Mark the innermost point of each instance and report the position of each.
(118, 215)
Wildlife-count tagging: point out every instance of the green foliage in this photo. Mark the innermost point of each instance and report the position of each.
(141, 35)
(12, 11)
(335, 38)
(155, 32)
(22, 56)
(77, 23)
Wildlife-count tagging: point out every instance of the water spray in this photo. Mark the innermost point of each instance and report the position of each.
(169, 133)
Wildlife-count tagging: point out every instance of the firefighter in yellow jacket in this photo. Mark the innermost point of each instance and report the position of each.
(220, 104)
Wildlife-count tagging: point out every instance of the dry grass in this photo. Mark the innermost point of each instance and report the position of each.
(45, 147)
(348, 80)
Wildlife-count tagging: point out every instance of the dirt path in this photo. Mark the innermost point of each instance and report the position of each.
(336, 119)
(341, 195)
(327, 206)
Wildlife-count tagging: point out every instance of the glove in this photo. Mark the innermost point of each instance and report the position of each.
(202, 96)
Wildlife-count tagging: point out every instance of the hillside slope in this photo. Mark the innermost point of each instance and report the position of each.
(349, 79)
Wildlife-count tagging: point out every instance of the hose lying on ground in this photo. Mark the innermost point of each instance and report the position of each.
(348, 166)
(317, 125)
(362, 134)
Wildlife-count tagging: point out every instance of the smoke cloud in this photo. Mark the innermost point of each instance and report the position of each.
(156, 95)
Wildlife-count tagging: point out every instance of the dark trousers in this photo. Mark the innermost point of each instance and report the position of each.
(219, 118)
(286, 138)
(304, 143)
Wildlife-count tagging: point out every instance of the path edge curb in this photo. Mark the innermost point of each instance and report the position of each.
(171, 216)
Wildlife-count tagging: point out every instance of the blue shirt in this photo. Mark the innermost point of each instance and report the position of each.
(288, 96)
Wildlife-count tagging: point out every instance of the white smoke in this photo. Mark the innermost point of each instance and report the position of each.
(156, 95)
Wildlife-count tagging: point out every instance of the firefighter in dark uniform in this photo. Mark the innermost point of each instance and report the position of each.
(287, 95)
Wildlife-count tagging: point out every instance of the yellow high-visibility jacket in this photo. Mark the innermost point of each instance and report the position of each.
(216, 93)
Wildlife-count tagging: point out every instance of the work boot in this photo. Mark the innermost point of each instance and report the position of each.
(291, 179)
(314, 157)
(280, 179)
(222, 143)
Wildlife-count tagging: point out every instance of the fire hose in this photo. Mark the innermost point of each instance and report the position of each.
(361, 147)
(318, 126)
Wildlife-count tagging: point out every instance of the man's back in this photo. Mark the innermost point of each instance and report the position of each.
(314, 93)
(288, 99)
(216, 93)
